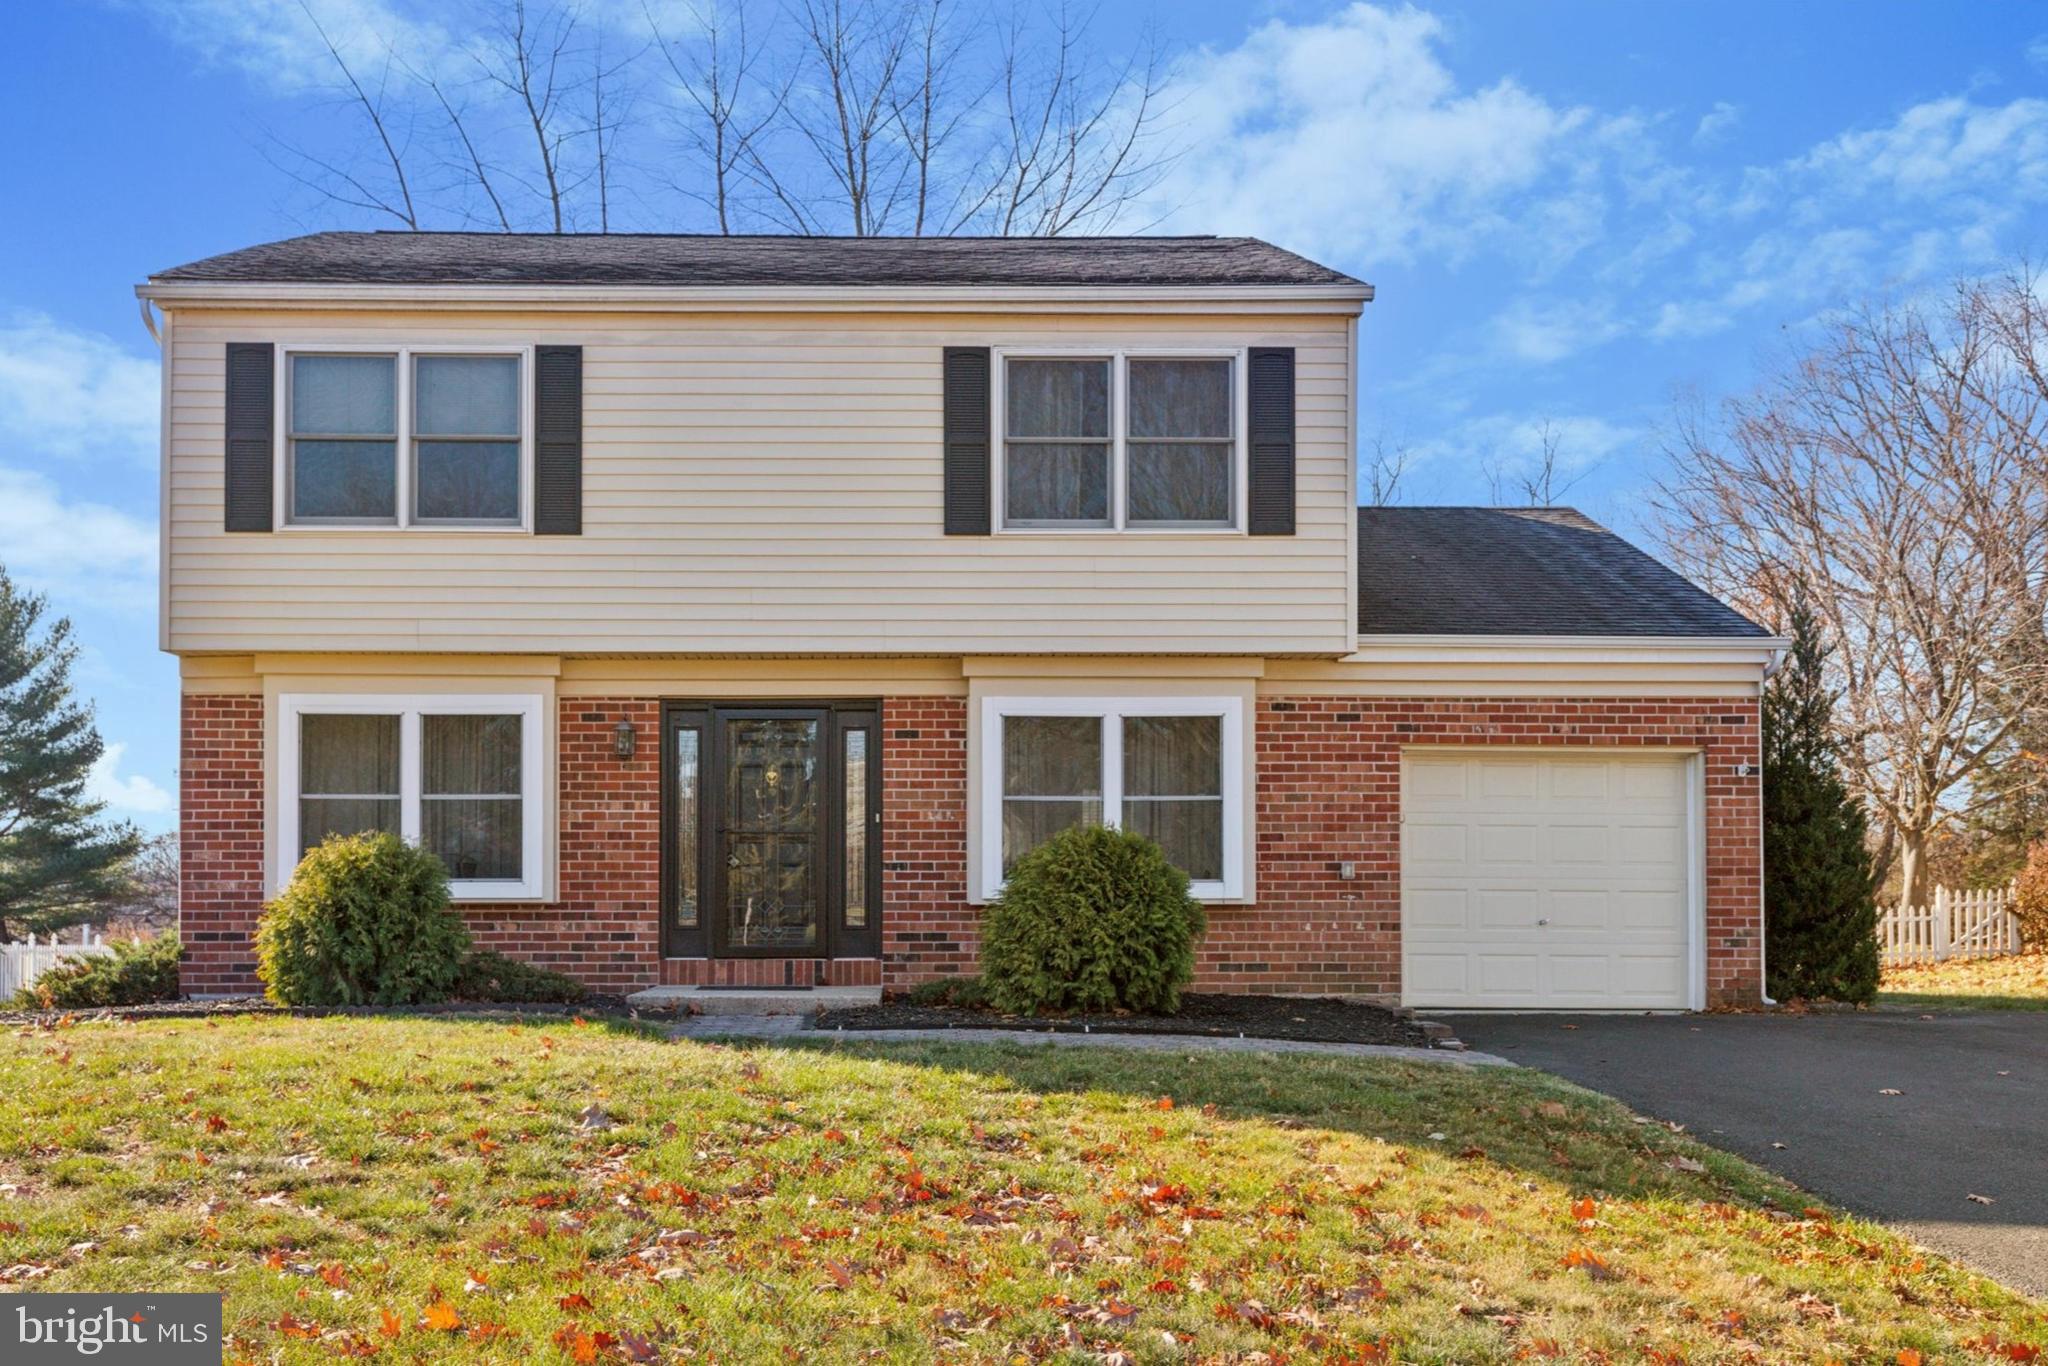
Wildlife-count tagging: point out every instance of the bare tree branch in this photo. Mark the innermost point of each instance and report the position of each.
(1893, 478)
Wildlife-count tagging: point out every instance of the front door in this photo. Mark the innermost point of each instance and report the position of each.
(772, 816)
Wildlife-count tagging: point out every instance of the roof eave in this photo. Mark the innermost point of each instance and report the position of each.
(1344, 298)
(1391, 647)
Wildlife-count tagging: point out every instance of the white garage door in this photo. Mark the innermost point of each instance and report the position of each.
(1546, 882)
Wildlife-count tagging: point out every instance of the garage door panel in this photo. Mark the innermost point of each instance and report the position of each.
(1538, 881)
(1505, 908)
(1581, 975)
(1658, 845)
(1503, 848)
(1441, 974)
(1579, 782)
(1663, 784)
(1436, 787)
(1446, 908)
(1508, 780)
(1433, 848)
(1506, 974)
(1651, 976)
(1578, 908)
(1581, 844)
(1662, 911)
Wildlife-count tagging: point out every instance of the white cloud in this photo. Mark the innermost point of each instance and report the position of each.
(1351, 137)
(66, 392)
(134, 793)
(80, 553)
(2037, 51)
(278, 44)
(1715, 123)
(1513, 442)
(1542, 332)
(1937, 147)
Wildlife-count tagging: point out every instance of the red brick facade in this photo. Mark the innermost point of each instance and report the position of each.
(220, 832)
(1328, 793)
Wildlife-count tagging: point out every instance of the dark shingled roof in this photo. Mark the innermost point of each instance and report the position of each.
(447, 258)
(1521, 572)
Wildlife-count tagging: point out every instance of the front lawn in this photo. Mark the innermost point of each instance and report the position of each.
(2017, 982)
(433, 1190)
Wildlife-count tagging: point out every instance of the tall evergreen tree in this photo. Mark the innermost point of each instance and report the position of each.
(59, 860)
(1820, 879)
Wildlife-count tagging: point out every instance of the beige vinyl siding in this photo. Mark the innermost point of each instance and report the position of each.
(759, 482)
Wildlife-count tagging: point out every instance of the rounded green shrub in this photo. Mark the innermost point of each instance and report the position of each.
(137, 972)
(365, 921)
(1093, 919)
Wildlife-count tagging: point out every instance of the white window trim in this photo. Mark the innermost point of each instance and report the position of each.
(1113, 710)
(409, 708)
(403, 353)
(1119, 358)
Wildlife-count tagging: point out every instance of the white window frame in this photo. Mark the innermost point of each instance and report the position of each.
(403, 355)
(1119, 359)
(1113, 711)
(409, 708)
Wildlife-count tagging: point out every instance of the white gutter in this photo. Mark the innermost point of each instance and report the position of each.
(754, 298)
(1400, 649)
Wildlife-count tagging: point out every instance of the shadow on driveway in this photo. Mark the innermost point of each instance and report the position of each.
(1971, 1117)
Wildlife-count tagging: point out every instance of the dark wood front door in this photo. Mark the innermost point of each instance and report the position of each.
(772, 821)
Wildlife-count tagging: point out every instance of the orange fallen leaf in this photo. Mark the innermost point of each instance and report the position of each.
(440, 1318)
(389, 1323)
(1163, 1103)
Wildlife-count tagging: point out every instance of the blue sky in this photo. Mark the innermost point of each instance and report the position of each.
(1576, 214)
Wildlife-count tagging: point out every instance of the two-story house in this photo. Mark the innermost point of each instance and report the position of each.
(733, 611)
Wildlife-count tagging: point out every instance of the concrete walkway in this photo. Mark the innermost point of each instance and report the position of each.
(795, 1028)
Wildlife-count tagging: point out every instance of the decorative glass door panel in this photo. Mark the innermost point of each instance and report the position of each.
(771, 812)
(773, 820)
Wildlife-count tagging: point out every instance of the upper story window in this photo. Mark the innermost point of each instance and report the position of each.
(1127, 440)
(404, 438)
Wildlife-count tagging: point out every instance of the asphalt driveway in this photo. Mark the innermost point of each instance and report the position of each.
(1971, 1116)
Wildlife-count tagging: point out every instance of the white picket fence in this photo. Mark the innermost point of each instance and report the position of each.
(1957, 924)
(22, 964)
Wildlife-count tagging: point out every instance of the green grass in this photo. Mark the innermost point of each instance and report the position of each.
(2019, 982)
(421, 1189)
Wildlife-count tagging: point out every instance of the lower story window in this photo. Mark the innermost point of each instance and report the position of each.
(1167, 768)
(459, 776)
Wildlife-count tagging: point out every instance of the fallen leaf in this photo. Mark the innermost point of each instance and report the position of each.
(1981, 1199)
(440, 1318)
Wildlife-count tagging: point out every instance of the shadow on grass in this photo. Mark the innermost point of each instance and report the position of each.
(1525, 1120)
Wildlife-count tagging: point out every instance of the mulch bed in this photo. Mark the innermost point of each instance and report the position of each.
(1320, 1019)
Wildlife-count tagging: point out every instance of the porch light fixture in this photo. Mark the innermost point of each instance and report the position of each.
(623, 739)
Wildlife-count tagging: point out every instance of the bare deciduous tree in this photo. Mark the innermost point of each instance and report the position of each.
(863, 117)
(1385, 466)
(1894, 478)
(1535, 482)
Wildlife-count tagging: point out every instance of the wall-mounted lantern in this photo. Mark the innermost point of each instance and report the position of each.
(623, 739)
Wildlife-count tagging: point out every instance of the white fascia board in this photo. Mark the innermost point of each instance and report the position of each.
(1419, 649)
(1346, 299)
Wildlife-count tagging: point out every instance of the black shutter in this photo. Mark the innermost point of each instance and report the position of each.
(967, 441)
(558, 440)
(1272, 441)
(251, 435)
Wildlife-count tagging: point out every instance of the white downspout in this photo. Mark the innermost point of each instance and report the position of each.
(1763, 938)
